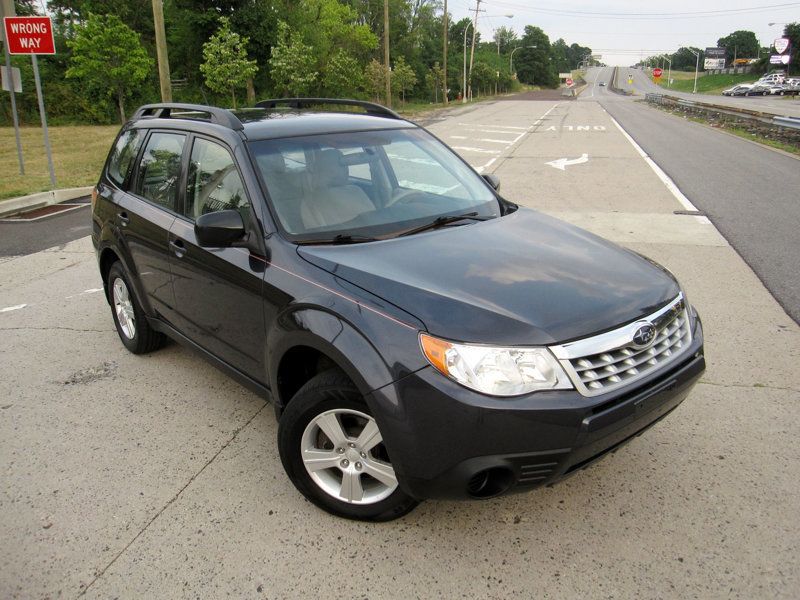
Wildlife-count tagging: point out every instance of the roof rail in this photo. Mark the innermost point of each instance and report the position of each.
(375, 110)
(219, 116)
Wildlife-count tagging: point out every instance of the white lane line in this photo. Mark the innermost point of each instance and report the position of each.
(491, 141)
(487, 130)
(479, 150)
(458, 137)
(10, 308)
(493, 126)
(84, 292)
(486, 166)
(665, 179)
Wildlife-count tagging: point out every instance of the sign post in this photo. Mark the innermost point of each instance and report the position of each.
(7, 10)
(34, 36)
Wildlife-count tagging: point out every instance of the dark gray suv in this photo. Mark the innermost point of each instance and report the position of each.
(419, 335)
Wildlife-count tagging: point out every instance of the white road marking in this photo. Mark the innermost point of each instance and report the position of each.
(480, 150)
(84, 292)
(563, 163)
(494, 126)
(665, 179)
(10, 308)
(486, 166)
(491, 141)
(458, 137)
(487, 130)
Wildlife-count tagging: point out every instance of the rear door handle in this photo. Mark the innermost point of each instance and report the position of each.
(123, 218)
(178, 249)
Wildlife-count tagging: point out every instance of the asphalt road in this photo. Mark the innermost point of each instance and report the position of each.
(749, 192)
(157, 476)
(786, 106)
(55, 230)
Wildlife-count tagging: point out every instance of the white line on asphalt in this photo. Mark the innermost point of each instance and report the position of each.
(458, 137)
(481, 150)
(10, 308)
(84, 292)
(494, 126)
(487, 130)
(665, 179)
(495, 141)
(486, 166)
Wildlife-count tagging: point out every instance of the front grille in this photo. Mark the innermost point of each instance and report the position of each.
(611, 360)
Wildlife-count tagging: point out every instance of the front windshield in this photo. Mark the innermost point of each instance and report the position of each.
(367, 183)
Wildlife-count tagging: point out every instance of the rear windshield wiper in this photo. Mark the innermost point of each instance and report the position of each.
(444, 220)
(338, 239)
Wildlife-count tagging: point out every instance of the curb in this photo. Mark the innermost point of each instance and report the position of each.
(14, 206)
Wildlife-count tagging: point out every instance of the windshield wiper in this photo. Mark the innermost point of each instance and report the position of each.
(339, 239)
(444, 220)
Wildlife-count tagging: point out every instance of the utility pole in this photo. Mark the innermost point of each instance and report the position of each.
(444, 57)
(161, 51)
(386, 53)
(472, 51)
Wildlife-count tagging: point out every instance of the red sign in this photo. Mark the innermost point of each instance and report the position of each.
(657, 72)
(569, 82)
(30, 35)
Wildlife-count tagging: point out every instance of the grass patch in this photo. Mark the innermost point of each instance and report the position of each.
(78, 155)
(706, 84)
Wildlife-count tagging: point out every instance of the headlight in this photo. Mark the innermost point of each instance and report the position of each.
(496, 371)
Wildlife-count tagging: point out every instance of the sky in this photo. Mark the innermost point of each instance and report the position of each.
(624, 38)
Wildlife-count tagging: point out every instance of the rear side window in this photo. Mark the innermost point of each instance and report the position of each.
(123, 154)
(213, 183)
(160, 169)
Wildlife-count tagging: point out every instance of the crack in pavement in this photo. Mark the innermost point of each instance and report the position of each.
(757, 386)
(172, 500)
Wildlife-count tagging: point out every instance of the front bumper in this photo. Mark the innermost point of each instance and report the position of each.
(446, 441)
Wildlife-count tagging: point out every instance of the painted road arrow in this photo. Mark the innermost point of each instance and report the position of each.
(563, 163)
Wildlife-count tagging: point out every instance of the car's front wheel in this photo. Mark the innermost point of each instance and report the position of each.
(333, 451)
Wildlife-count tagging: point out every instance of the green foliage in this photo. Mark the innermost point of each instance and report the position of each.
(505, 39)
(740, 44)
(433, 80)
(108, 58)
(534, 66)
(226, 66)
(292, 63)
(403, 77)
(343, 76)
(792, 31)
(375, 79)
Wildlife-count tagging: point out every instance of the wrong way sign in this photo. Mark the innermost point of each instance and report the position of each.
(29, 35)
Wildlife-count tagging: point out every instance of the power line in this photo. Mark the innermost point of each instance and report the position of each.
(645, 16)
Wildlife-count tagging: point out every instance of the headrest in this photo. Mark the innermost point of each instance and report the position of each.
(271, 163)
(330, 169)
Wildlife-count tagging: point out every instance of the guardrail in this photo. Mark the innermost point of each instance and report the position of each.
(741, 113)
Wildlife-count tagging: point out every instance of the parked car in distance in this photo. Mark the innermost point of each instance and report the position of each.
(418, 335)
(738, 90)
(602, 84)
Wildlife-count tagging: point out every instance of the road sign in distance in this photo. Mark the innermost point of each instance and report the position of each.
(564, 75)
(709, 64)
(657, 72)
(14, 82)
(780, 59)
(569, 82)
(715, 53)
(29, 35)
(781, 45)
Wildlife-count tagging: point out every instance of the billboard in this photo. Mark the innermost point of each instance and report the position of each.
(715, 53)
(710, 64)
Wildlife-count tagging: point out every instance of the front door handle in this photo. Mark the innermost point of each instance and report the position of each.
(178, 249)
(123, 218)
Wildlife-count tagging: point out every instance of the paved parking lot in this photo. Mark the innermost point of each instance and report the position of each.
(157, 476)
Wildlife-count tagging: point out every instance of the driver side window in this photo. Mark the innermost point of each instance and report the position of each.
(213, 182)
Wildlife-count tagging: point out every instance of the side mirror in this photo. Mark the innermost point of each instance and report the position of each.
(493, 180)
(219, 229)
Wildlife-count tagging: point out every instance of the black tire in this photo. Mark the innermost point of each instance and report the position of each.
(331, 390)
(145, 339)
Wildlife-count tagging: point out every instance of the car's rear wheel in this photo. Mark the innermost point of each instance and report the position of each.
(333, 451)
(132, 327)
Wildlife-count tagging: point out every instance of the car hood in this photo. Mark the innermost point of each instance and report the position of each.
(524, 279)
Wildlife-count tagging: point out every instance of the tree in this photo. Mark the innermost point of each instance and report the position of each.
(292, 63)
(343, 75)
(483, 77)
(741, 44)
(108, 58)
(792, 31)
(504, 39)
(375, 79)
(684, 60)
(433, 79)
(226, 65)
(533, 65)
(403, 77)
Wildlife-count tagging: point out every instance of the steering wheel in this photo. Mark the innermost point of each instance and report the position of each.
(402, 195)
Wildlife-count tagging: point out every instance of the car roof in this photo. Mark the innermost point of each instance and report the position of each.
(271, 119)
(266, 124)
